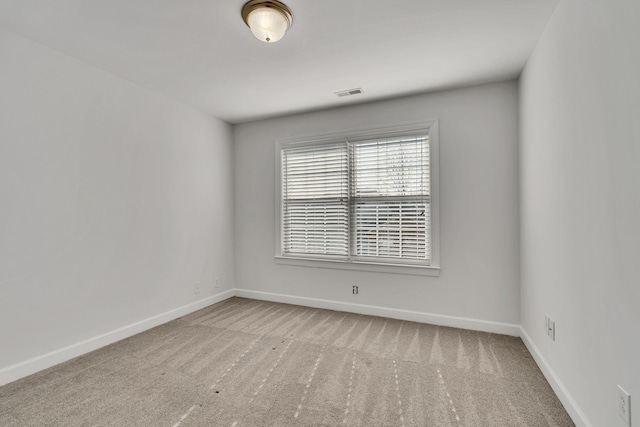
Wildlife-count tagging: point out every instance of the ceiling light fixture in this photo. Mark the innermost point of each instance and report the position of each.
(267, 19)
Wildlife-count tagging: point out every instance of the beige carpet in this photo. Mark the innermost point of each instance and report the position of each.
(251, 363)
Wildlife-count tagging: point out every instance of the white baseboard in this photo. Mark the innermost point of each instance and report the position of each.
(31, 366)
(414, 316)
(558, 387)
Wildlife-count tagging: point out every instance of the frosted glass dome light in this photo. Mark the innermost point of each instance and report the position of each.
(267, 19)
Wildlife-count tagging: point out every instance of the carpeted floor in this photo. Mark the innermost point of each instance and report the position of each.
(253, 363)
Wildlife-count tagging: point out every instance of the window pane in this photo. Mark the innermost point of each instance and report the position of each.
(316, 228)
(392, 229)
(315, 172)
(391, 167)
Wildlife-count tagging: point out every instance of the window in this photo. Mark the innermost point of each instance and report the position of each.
(362, 200)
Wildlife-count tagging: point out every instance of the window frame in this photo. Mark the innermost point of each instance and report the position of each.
(400, 267)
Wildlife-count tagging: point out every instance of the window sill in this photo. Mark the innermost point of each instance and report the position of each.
(416, 270)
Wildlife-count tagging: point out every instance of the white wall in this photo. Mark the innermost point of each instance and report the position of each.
(479, 207)
(114, 201)
(580, 202)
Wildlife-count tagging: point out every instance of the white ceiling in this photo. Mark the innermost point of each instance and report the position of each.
(201, 53)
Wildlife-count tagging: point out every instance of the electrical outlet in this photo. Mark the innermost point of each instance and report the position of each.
(355, 290)
(624, 406)
(216, 284)
(196, 288)
(550, 327)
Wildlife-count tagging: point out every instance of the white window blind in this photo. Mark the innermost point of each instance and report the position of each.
(363, 200)
(390, 198)
(315, 200)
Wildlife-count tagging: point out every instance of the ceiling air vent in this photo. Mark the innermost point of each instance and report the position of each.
(349, 92)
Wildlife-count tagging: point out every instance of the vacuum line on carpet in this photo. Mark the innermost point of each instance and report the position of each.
(233, 365)
(264, 380)
(306, 390)
(395, 372)
(453, 408)
(184, 416)
(353, 368)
